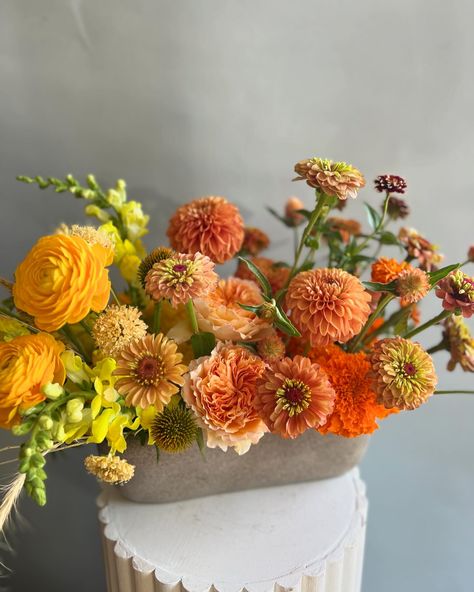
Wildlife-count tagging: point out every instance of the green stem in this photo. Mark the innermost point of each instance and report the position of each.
(86, 327)
(316, 214)
(454, 392)
(12, 315)
(74, 341)
(383, 302)
(192, 316)
(392, 320)
(437, 319)
(114, 296)
(442, 345)
(157, 317)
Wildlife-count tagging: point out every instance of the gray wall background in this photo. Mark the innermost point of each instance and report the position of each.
(189, 98)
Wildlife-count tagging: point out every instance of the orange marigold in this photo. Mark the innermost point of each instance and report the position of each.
(277, 275)
(385, 270)
(327, 305)
(356, 409)
(210, 225)
(61, 280)
(27, 363)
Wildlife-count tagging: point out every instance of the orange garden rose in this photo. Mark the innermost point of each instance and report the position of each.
(220, 313)
(27, 363)
(221, 390)
(61, 280)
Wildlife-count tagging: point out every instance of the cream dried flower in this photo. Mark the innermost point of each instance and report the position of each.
(117, 327)
(109, 469)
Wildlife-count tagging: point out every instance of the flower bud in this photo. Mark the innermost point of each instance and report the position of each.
(74, 410)
(97, 213)
(52, 391)
(45, 422)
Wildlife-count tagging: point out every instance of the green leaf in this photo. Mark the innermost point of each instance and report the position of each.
(250, 308)
(377, 287)
(401, 326)
(373, 216)
(283, 323)
(200, 442)
(262, 280)
(438, 275)
(282, 219)
(203, 344)
(388, 238)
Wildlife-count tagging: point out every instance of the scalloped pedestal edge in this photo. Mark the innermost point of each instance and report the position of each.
(339, 571)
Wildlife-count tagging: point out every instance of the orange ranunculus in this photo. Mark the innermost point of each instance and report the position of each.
(27, 363)
(61, 280)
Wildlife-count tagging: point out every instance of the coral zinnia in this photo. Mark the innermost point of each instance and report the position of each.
(345, 227)
(255, 240)
(457, 293)
(181, 277)
(220, 313)
(386, 270)
(61, 280)
(412, 285)
(403, 373)
(117, 327)
(460, 343)
(277, 275)
(337, 179)
(27, 363)
(327, 305)
(418, 247)
(293, 396)
(355, 409)
(210, 225)
(149, 371)
(221, 389)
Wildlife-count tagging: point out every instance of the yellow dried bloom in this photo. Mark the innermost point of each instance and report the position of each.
(117, 327)
(92, 235)
(109, 469)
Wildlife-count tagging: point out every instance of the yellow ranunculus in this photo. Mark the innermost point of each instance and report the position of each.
(61, 280)
(27, 363)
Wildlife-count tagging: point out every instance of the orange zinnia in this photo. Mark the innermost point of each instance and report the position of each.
(327, 305)
(210, 225)
(356, 409)
(386, 270)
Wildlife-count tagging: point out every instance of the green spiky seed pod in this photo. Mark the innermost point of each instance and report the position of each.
(153, 257)
(174, 430)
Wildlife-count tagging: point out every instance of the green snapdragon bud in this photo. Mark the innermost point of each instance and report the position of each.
(52, 391)
(45, 422)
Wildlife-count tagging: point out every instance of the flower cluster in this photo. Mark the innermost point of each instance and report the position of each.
(179, 356)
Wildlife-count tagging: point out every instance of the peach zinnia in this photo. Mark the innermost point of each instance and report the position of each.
(337, 179)
(221, 389)
(220, 313)
(327, 305)
(150, 371)
(180, 278)
(210, 225)
(293, 396)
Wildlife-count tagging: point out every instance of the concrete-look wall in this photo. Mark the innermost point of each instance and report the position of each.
(192, 97)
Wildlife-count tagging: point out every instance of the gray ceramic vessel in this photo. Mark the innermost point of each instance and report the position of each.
(273, 461)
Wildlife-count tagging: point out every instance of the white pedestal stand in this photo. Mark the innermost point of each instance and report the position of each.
(307, 537)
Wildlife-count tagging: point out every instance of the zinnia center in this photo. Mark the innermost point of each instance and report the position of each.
(294, 396)
(179, 268)
(409, 369)
(149, 370)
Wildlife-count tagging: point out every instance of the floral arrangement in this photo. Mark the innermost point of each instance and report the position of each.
(182, 357)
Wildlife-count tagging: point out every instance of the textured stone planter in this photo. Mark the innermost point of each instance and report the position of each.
(273, 461)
